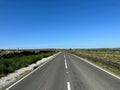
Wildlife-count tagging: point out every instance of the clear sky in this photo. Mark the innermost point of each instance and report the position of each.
(59, 23)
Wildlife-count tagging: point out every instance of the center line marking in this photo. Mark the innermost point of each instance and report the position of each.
(68, 86)
(64, 55)
(66, 64)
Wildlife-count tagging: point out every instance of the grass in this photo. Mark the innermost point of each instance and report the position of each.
(114, 70)
(113, 55)
(11, 64)
(107, 67)
(107, 54)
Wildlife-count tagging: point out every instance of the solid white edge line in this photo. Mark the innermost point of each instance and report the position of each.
(85, 60)
(30, 73)
(68, 86)
(66, 64)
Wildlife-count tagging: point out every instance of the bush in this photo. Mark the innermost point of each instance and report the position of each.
(9, 65)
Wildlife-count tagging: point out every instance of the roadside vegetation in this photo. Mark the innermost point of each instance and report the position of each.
(106, 58)
(8, 65)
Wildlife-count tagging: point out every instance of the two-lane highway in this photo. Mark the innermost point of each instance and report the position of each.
(67, 72)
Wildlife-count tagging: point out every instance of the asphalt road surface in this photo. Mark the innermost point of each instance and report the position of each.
(67, 72)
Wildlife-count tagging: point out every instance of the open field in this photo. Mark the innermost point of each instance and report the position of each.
(108, 54)
(106, 58)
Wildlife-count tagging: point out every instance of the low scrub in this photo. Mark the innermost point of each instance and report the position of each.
(107, 64)
(11, 64)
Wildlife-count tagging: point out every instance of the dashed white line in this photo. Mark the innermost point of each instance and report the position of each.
(64, 56)
(68, 86)
(66, 64)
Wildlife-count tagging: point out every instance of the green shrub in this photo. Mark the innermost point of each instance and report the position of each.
(11, 64)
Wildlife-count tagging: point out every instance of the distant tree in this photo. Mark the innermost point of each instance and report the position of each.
(70, 49)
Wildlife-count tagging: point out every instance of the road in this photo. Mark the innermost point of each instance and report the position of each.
(67, 72)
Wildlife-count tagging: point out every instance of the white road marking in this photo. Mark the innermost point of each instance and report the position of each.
(68, 86)
(30, 73)
(25, 76)
(66, 64)
(85, 60)
(64, 56)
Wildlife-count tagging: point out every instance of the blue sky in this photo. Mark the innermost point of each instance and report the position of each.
(59, 23)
